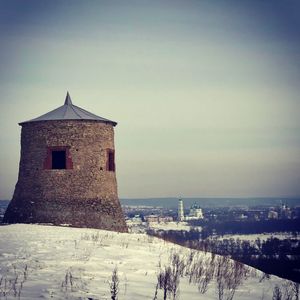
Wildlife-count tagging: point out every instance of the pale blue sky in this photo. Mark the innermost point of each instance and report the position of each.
(206, 93)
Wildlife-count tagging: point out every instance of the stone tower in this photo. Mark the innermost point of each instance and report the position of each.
(67, 171)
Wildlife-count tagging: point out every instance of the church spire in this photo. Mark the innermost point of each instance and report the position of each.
(68, 100)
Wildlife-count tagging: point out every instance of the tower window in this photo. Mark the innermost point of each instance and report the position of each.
(110, 165)
(59, 159)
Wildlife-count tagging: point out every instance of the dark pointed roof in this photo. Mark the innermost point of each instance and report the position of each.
(68, 100)
(68, 111)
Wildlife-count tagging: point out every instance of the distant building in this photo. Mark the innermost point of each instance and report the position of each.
(180, 210)
(165, 219)
(137, 219)
(285, 212)
(195, 213)
(242, 217)
(158, 219)
(151, 218)
(273, 214)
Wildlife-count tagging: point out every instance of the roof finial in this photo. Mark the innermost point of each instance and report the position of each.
(68, 100)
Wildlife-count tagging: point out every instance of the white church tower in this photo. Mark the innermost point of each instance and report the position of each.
(180, 211)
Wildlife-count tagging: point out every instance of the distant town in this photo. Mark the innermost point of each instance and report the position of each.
(141, 217)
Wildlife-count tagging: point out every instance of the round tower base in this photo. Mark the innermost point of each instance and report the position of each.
(87, 213)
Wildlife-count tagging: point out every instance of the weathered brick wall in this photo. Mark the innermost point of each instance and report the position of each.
(84, 196)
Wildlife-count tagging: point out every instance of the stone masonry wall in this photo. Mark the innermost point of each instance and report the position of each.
(84, 196)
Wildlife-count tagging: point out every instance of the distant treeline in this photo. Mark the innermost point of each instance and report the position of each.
(247, 227)
(272, 256)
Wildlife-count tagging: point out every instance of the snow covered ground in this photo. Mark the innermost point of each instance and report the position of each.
(48, 262)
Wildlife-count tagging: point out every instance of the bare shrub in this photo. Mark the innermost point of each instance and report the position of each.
(168, 278)
(287, 290)
(12, 281)
(164, 281)
(206, 278)
(200, 271)
(190, 258)
(68, 282)
(72, 283)
(264, 276)
(177, 268)
(95, 237)
(114, 284)
(191, 266)
(229, 275)
(221, 273)
(296, 286)
(277, 294)
(237, 273)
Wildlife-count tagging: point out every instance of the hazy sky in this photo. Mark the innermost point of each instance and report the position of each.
(205, 93)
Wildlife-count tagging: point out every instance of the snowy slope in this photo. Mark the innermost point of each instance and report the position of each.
(74, 263)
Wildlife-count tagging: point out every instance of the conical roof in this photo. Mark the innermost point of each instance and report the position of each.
(68, 111)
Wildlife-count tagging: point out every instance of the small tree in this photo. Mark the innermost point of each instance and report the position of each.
(177, 268)
(277, 295)
(296, 290)
(221, 270)
(114, 284)
(169, 278)
(164, 281)
(288, 291)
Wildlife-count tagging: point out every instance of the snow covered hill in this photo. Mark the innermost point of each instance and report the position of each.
(73, 263)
